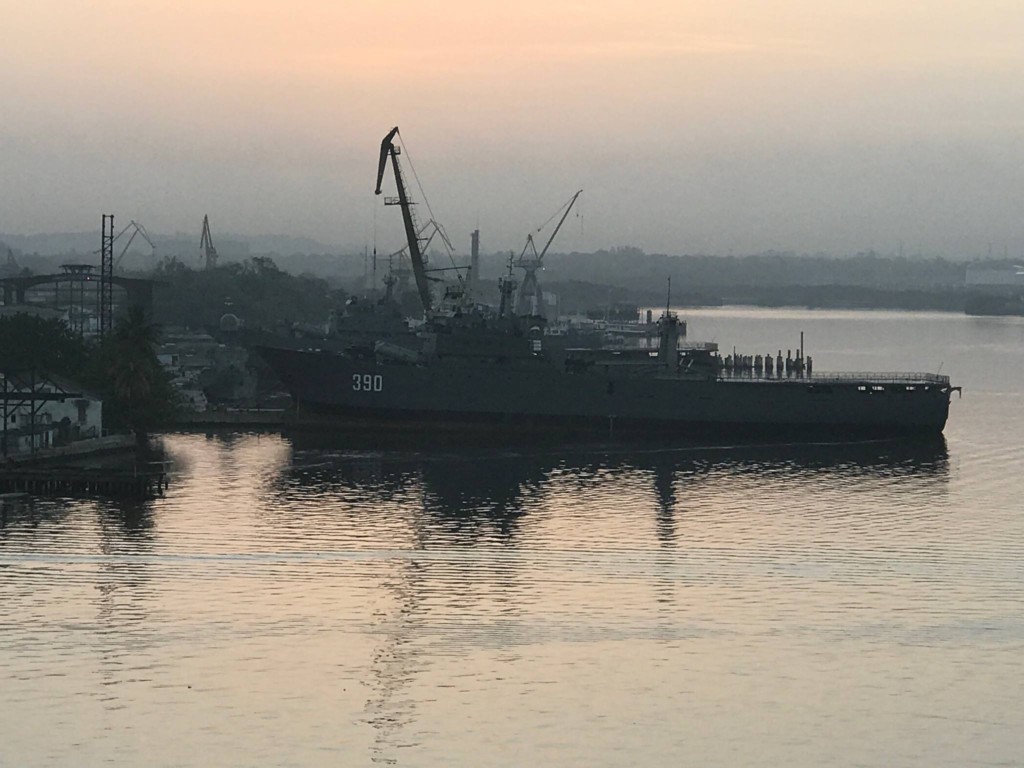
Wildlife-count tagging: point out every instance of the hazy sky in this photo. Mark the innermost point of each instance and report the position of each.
(712, 126)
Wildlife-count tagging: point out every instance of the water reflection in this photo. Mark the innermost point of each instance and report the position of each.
(426, 602)
(532, 498)
(395, 661)
(482, 497)
(472, 493)
(436, 567)
(127, 519)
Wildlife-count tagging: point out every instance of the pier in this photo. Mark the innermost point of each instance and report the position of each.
(232, 418)
(138, 483)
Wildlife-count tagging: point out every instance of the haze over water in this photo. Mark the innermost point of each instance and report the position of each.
(296, 602)
(694, 127)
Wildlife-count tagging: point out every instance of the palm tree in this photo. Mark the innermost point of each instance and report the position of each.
(135, 331)
(142, 395)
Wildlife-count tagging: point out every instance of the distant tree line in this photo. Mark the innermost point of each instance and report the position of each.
(632, 268)
(868, 280)
(264, 291)
(256, 290)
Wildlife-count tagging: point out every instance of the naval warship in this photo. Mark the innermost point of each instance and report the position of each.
(467, 365)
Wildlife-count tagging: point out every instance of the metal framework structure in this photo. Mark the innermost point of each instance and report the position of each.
(107, 275)
(75, 290)
(531, 297)
(206, 249)
(77, 278)
(137, 229)
(18, 390)
(388, 150)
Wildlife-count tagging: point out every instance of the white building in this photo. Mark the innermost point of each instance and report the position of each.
(995, 278)
(60, 421)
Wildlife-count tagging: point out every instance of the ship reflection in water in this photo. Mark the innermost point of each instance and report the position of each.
(465, 490)
(344, 601)
(502, 549)
(293, 600)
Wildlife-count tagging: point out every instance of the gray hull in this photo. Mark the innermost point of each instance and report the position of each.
(525, 394)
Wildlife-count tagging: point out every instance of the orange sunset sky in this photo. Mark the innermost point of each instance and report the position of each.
(725, 126)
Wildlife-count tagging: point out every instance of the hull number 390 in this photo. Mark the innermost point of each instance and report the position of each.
(367, 382)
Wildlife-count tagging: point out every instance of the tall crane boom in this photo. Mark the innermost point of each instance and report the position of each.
(137, 229)
(530, 299)
(561, 221)
(206, 249)
(389, 150)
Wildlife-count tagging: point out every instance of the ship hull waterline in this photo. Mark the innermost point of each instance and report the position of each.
(332, 390)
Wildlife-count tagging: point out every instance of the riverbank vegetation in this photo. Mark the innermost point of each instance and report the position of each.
(267, 291)
(261, 291)
(255, 290)
(122, 369)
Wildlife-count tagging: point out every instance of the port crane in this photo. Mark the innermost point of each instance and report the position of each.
(402, 254)
(388, 150)
(137, 229)
(425, 240)
(530, 300)
(206, 249)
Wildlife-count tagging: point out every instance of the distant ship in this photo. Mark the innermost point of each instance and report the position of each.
(994, 305)
(470, 366)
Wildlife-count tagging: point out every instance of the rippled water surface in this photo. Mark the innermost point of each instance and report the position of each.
(322, 602)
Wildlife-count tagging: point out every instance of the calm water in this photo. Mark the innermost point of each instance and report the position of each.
(294, 604)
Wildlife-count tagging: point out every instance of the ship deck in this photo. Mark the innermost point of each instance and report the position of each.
(870, 378)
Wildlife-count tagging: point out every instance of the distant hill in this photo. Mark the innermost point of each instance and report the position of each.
(62, 243)
(581, 280)
(45, 252)
(53, 243)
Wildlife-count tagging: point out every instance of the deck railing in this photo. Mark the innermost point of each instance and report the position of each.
(841, 377)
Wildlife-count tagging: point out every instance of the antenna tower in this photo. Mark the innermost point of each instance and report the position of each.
(107, 275)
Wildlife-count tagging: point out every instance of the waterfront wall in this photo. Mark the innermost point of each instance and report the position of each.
(230, 418)
(107, 444)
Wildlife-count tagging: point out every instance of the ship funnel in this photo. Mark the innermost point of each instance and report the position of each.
(668, 339)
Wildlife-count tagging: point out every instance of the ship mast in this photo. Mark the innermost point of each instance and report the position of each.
(389, 150)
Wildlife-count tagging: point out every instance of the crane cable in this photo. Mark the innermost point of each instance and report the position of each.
(444, 236)
(552, 216)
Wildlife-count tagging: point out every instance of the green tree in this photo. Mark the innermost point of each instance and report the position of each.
(125, 369)
(48, 346)
(255, 290)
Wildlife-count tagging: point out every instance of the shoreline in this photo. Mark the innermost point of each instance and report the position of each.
(80, 449)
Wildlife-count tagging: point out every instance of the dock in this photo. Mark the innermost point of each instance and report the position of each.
(137, 483)
(81, 449)
(232, 418)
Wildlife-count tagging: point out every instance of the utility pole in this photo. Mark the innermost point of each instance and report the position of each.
(107, 275)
